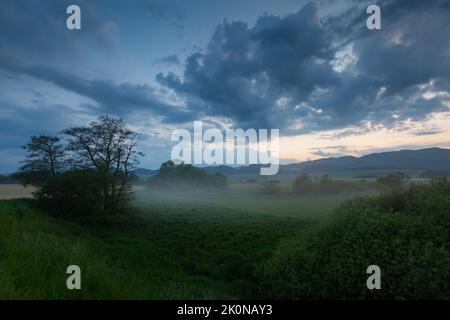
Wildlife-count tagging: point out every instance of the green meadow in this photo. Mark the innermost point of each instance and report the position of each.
(170, 245)
(232, 244)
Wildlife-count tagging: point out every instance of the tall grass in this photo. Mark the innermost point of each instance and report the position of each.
(189, 254)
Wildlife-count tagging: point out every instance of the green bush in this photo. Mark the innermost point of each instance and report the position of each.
(305, 185)
(302, 184)
(407, 234)
(76, 193)
(393, 181)
(270, 187)
(186, 176)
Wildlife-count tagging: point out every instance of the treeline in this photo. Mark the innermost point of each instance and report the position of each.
(435, 173)
(183, 176)
(325, 185)
(7, 180)
(85, 173)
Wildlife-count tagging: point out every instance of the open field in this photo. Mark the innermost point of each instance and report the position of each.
(284, 205)
(188, 253)
(234, 244)
(15, 191)
(239, 198)
(244, 197)
(173, 245)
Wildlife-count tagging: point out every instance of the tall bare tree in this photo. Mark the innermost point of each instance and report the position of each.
(109, 147)
(45, 158)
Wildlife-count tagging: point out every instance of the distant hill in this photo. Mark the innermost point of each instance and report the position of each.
(424, 159)
(145, 172)
(436, 159)
(8, 180)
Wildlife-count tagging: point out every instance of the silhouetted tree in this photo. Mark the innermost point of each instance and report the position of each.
(183, 175)
(270, 187)
(107, 146)
(393, 181)
(44, 159)
(302, 184)
(76, 193)
(326, 185)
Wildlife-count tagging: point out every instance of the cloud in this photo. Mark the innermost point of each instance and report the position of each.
(280, 73)
(303, 72)
(166, 13)
(110, 98)
(331, 151)
(169, 60)
(427, 132)
(35, 31)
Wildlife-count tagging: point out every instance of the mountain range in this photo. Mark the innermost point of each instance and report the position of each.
(437, 159)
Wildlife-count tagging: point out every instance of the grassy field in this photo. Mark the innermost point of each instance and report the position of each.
(171, 245)
(232, 244)
(310, 208)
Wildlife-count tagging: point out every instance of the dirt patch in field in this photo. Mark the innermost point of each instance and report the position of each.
(15, 191)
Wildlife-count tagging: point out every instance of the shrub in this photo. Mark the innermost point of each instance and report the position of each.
(405, 233)
(270, 187)
(393, 181)
(186, 176)
(327, 185)
(76, 193)
(302, 184)
(305, 185)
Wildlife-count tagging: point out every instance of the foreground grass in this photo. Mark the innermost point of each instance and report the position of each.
(406, 233)
(207, 246)
(154, 253)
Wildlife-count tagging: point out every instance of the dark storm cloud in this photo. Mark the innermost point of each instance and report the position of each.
(19, 123)
(36, 31)
(279, 72)
(244, 70)
(34, 41)
(111, 98)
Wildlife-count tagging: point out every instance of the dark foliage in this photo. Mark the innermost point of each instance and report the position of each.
(393, 181)
(270, 187)
(75, 193)
(186, 176)
(45, 159)
(8, 180)
(95, 165)
(305, 185)
(302, 184)
(107, 146)
(405, 233)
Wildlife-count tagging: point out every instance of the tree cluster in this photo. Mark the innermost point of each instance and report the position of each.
(186, 176)
(88, 172)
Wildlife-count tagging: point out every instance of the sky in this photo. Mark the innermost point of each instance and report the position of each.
(313, 70)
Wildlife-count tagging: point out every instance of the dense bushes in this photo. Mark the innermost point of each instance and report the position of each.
(76, 193)
(393, 181)
(94, 163)
(186, 176)
(325, 185)
(407, 234)
(302, 184)
(270, 187)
